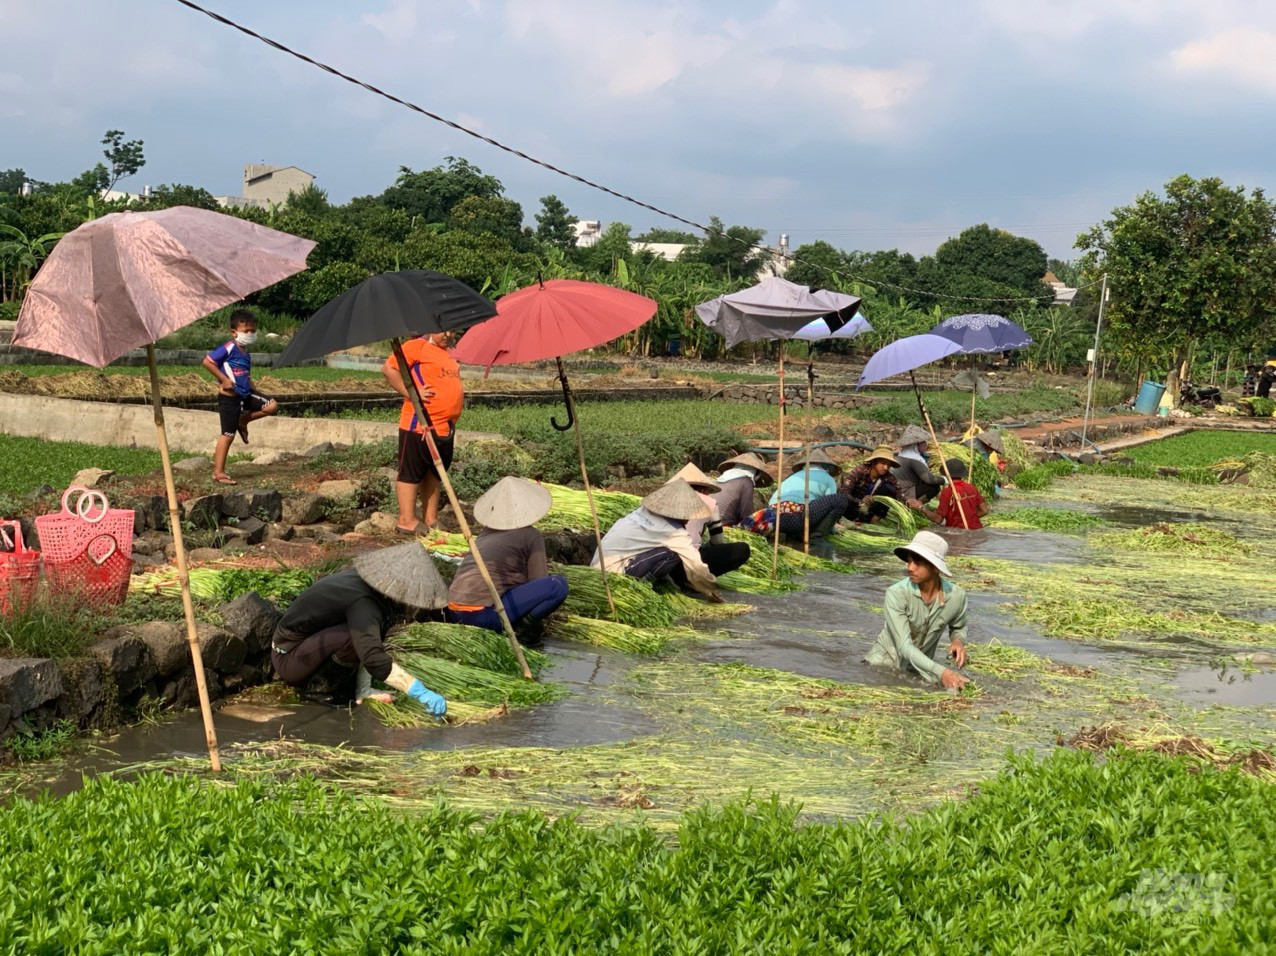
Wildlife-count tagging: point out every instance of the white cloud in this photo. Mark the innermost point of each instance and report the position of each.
(1245, 57)
(396, 23)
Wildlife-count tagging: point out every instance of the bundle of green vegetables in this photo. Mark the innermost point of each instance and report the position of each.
(571, 509)
(475, 646)
(636, 603)
(475, 685)
(217, 585)
(621, 637)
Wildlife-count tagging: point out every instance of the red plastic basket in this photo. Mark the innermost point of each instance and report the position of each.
(19, 569)
(88, 549)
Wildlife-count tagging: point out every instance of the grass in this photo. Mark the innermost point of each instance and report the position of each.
(50, 627)
(43, 745)
(1057, 520)
(28, 463)
(1200, 448)
(1056, 855)
(307, 373)
(951, 407)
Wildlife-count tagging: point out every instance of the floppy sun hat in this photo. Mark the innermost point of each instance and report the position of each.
(928, 546)
(511, 503)
(883, 453)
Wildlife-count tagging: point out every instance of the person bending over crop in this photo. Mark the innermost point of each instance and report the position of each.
(438, 380)
(958, 498)
(738, 479)
(238, 403)
(719, 555)
(912, 475)
(868, 480)
(514, 553)
(918, 610)
(344, 617)
(651, 542)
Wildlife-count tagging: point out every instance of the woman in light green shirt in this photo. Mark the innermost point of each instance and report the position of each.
(918, 610)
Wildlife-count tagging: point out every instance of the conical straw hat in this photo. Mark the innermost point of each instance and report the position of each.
(883, 452)
(697, 479)
(913, 435)
(678, 500)
(817, 457)
(512, 503)
(750, 460)
(404, 573)
(992, 440)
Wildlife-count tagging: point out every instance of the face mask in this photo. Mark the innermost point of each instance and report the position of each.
(245, 338)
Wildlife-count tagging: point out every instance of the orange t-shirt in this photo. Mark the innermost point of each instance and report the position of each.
(435, 371)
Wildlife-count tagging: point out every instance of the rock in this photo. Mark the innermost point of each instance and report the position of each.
(198, 463)
(26, 683)
(39, 492)
(127, 660)
(152, 542)
(222, 651)
(340, 446)
(151, 512)
(1088, 458)
(143, 562)
(252, 619)
(823, 431)
(254, 503)
(304, 508)
(323, 448)
(273, 458)
(280, 532)
(203, 512)
(1167, 471)
(200, 555)
(92, 477)
(321, 530)
(389, 474)
(166, 640)
(182, 692)
(248, 530)
(377, 523)
(83, 689)
(340, 488)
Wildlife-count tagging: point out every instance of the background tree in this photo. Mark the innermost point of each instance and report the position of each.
(125, 157)
(11, 181)
(431, 193)
(494, 215)
(554, 223)
(312, 200)
(729, 251)
(1198, 262)
(178, 194)
(657, 234)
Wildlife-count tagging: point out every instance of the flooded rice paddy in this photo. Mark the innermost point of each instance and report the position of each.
(779, 699)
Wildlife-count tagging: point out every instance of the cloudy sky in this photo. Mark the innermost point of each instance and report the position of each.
(867, 125)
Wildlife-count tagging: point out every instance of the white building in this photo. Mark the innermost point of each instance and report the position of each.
(266, 185)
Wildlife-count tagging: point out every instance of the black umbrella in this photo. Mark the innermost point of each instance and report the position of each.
(393, 305)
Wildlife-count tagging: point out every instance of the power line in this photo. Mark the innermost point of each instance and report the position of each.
(377, 91)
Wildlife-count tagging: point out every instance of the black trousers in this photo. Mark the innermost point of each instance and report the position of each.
(301, 662)
(660, 563)
(825, 510)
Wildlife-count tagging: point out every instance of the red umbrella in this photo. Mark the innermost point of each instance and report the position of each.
(550, 320)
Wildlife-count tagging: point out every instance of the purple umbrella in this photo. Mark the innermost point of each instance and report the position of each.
(978, 334)
(904, 355)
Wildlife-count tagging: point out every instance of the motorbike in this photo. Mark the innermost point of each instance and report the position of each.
(1207, 396)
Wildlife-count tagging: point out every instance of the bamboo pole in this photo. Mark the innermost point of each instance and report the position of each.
(589, 491)
(943, 463)
(806, 485)
(414, 397)
(183, 575)
(779, 468)
(973, 389)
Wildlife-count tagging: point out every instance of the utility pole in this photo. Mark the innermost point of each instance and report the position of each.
(1094, 361)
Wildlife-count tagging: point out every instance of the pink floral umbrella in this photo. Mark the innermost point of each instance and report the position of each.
(130, 278)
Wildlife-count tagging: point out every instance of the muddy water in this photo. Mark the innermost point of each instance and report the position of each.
(822, 631)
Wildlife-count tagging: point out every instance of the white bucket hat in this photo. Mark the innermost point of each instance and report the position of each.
(928, 546)
(511, 503)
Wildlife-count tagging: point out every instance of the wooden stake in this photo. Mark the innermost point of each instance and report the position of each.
(183, 575)
(414, 396)
(589, 491)
(779, 467)
(943, 463)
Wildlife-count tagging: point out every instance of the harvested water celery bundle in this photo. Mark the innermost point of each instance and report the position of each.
(465, 645)
(636, 603)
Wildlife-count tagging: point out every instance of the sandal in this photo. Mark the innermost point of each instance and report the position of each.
(418, 531)
(224, 480)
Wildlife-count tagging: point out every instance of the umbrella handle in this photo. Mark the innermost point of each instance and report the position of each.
(567, 400)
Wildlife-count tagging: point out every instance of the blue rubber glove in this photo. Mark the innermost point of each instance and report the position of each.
(431, 701)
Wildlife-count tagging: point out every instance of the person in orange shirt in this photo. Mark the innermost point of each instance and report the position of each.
(438, 379)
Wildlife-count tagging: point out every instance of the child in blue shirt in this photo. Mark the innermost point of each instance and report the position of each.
(238, 403)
